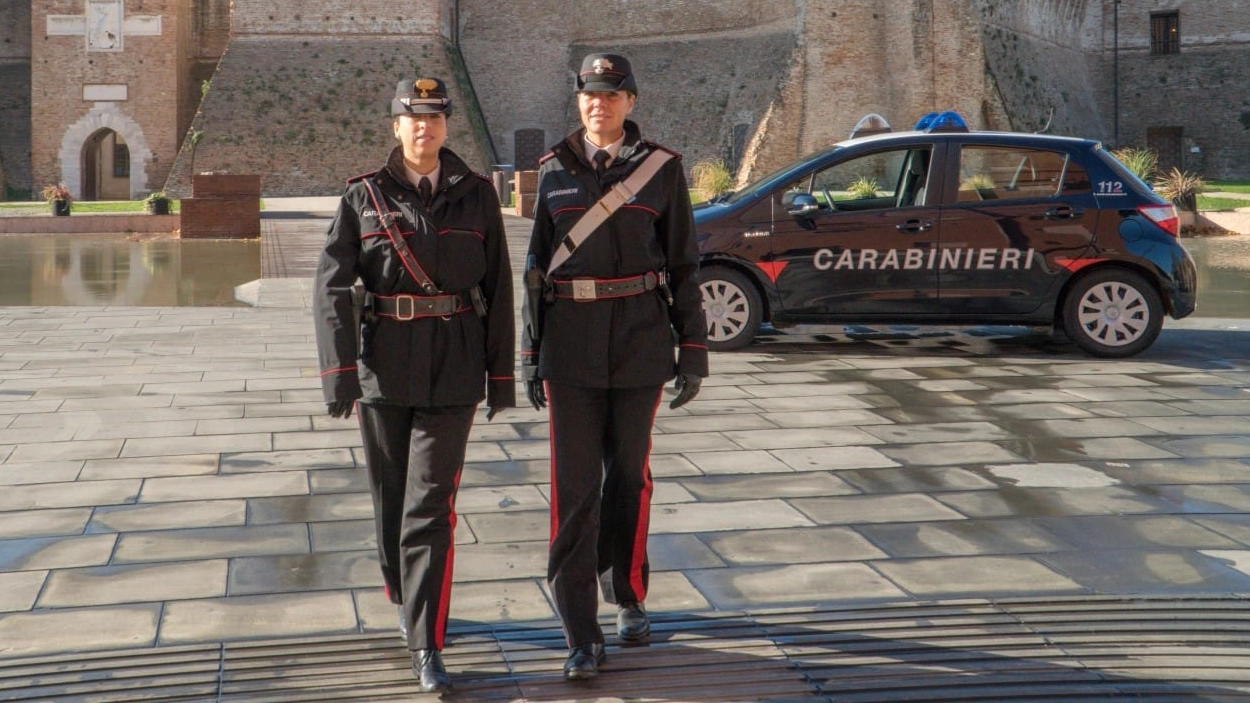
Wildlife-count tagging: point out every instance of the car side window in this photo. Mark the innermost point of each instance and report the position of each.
(875, 181)
(1013, 173)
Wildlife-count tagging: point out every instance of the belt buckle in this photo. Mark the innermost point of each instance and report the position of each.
(584, 289)
(399, 308)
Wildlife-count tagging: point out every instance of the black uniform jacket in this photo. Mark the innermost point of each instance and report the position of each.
(621, 342)
(460, 243)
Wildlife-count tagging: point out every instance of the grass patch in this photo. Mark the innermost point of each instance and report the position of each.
(84, 207)
(1230, 186)
(1206, 202)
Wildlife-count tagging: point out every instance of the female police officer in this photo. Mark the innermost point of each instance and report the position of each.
(436, 337)
(600, 333)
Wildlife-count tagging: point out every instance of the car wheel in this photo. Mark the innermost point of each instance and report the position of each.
(1112, 313)
(732, 308)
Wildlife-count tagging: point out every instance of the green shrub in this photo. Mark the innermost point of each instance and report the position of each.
(711, 178)
(1182, 188)
(1142, 162)
(863, 187)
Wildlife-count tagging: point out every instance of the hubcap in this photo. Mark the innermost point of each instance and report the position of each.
(725, 307)
(1114, 314)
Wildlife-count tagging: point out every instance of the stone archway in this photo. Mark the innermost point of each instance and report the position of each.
(104, 116)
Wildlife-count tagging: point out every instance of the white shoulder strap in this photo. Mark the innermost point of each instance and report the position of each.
(621, 193)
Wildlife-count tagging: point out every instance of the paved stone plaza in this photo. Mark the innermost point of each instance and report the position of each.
(171, 483)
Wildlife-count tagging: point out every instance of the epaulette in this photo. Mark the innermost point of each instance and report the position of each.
(361, 177)
(547, 157)
(483, 177)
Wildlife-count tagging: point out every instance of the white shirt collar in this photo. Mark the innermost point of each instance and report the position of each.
(415, 178)
(613, 149)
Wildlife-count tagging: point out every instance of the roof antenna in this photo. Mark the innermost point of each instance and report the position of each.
(1046, 127)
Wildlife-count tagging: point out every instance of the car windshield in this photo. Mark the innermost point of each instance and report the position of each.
(781, 176)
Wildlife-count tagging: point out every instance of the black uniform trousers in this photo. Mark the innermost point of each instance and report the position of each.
(414, 457)
(600, 500)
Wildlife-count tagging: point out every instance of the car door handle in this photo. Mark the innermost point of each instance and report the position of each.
(1063, 212)
(915, 226)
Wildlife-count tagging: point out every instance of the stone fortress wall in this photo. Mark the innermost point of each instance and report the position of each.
(302, 94)
(301, 90)
(15, 88)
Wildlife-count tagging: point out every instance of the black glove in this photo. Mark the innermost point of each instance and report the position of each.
(490, 413)
(534, 386)
(537, 394)
(340, 408)
(687, 387)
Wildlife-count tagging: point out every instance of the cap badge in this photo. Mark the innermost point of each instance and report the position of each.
(424, 86)
(601, 65)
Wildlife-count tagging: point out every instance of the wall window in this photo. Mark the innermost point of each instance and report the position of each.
(1165, 33)
(121, 160)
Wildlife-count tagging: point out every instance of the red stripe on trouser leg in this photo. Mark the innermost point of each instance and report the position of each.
(551, 471)
(440, 626)
(644, 518)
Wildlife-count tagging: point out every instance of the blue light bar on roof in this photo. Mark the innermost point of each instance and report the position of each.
(946, 121)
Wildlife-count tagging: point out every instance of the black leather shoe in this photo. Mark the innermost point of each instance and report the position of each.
(403, 625)
(583, 662)
(427, 665)
(632, 623)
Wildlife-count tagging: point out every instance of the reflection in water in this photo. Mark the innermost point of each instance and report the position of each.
(1223, 275)
(116, 270)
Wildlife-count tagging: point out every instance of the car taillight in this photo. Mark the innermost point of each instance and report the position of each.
(1163, 215)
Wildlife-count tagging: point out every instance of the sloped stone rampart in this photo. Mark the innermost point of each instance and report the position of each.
(695, 112)
(307, 114)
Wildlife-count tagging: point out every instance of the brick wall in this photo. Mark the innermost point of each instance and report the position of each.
(61, 119)
(338, 17)
(1202, 90)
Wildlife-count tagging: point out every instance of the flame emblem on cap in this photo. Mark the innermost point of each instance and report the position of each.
(424, 86)
(601, 65)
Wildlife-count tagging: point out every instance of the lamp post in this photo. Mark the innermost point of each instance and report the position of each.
(1115, 72)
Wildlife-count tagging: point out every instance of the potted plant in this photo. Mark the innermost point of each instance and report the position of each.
(158, 203)
(1182, 188)
(58, 196)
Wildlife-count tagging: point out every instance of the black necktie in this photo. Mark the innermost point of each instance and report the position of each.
(601, 161)
(424, 191)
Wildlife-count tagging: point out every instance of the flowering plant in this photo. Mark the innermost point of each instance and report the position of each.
(56, 191)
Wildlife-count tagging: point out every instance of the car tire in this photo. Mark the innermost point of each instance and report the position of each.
(732, 307)
(1112, 313)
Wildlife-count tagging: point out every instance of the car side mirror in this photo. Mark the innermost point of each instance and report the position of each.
(804, 205)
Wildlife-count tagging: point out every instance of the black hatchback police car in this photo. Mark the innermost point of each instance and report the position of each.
(942, 225)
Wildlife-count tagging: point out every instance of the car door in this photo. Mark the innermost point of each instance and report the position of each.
(1021, 215)
(852, 238)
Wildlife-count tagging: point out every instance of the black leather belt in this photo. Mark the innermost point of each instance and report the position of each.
(409, 307)
(587, 289)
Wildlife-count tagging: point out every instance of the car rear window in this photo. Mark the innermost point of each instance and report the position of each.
(998, 172)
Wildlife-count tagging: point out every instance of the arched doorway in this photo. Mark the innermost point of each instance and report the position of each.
(105, 167)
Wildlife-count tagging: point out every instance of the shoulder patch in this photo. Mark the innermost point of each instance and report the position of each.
(361, 177)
